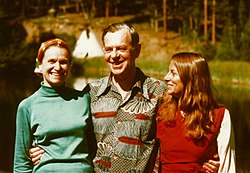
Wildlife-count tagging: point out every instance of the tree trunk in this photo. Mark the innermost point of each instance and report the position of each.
(205, 20)
(25, 8)
(165, 18)
(191, 25)
(213, 22)
(107, 12)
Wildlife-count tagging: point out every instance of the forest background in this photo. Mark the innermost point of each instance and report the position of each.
(218, 29)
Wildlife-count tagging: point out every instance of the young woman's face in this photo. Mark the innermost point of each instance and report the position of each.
(175, 86)
(55, 66)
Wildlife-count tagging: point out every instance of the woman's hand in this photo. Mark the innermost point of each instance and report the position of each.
(212, 166)
(35, 154)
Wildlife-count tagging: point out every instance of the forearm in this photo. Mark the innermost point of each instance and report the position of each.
(22, 162)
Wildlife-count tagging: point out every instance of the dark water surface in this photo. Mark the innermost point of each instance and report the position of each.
(13, 90)
(237, 99)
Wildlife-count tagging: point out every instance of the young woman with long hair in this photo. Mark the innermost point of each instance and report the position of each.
(191, 125)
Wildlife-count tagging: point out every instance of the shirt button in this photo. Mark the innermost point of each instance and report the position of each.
(119, 122)
(115, 157)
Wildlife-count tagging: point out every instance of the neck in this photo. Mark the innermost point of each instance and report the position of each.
(125, 83)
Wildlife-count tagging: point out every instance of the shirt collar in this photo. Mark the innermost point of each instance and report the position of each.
(106, 83)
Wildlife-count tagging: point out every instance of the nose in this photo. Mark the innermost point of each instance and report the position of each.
(57, 66)
(114, 52)
(167, 77)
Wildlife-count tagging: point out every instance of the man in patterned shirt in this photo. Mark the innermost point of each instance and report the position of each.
(123, 106)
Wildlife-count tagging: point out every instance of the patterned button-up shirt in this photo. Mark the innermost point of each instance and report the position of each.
(124, 127)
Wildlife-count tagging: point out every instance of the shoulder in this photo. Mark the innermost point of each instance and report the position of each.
(155, 85)
(220, 110)
(27, 102)
(78, 93)
(157, 82)
(150, 81)
(99, 82)
(221, 114)
(25, 106)
(97, 86)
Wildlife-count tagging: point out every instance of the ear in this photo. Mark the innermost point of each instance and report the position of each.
(137, 50)
(37, 71)
(38, 68)
(70, 68)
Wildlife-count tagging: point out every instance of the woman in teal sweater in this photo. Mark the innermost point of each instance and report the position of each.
(55, 117)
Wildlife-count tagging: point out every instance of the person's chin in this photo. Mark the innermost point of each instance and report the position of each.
(116, 71)
(170, 92)
(57, 81)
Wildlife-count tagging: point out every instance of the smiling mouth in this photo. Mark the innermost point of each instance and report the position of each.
(57, 75)
(117, 64)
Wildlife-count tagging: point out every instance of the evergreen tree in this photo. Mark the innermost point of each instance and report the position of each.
(242, 14)
(227, 50)
(245, 42)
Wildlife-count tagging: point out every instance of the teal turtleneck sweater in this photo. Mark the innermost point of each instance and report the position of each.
(57, 120)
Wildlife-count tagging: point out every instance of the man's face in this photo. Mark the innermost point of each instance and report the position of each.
(55, 66)
(119, 54)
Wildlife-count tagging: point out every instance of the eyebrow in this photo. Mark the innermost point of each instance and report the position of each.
(116, 46)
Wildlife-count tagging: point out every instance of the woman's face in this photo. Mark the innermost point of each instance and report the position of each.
(175, 86)
(55, 66)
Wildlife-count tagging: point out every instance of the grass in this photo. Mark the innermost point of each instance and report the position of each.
(234, 72)
(227, 72)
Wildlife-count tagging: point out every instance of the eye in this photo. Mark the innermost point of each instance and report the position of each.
(51, 61)
(122, 49)
(64, 62)
(108, 49)
(173, 73)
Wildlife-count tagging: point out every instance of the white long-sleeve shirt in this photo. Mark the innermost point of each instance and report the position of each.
(226, 145)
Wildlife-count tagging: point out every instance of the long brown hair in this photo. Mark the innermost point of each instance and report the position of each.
(197, 101)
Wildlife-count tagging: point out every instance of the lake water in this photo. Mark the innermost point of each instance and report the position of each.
(13, 90)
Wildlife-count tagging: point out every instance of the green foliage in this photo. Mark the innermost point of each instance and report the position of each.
(16, 56)
(242, 14)
(224, 12)
(227, 49)
(208, 50)
(245, 43)
(234, 42)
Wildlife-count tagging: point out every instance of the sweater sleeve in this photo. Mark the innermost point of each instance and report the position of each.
(22, 162)
(226, 146)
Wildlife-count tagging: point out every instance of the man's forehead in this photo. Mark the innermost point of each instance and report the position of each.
(120, 37)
